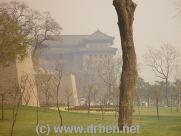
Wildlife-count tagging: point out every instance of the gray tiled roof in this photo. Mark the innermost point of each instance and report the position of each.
(73, 40)
(98, 35)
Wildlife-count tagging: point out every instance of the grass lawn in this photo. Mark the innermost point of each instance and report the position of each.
(168, 125)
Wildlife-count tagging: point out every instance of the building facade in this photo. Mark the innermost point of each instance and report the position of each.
(80, 54)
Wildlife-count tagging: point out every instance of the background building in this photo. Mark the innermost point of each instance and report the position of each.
(81, 55)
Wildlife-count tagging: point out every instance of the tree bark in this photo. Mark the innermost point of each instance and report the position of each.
(68, 103)
(2, 106)
(157, 109)
(139, 104)
(166, 90)
(178, 100)
(89, 102)
(148, 100)
(171, 103)
(37, 112)
(58, 107)
(125, 10)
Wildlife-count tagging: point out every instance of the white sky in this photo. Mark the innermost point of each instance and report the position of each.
(154, 22)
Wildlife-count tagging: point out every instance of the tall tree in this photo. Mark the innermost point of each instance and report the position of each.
(156, 95)
(178, 88)
(108, 72)
(163, 61)
(57, 79)
(125, 10)
(42, 26)
(13, 44)
(34, 26)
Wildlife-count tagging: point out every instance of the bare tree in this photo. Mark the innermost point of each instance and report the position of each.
(68, 94)
(26, 98)
(138, 105)
(91, 88)
(17, 100)
(102, 107)
(19, 90)
(57, 79)
(116, 100)
(162, 61)
(31, 84)
(125, 10)
(138, 93)
(46, 88)
(37, 106)
(178, 88)
(35, 27)
(157, 93)
(109, 73)
(43, 26)
(89, 80)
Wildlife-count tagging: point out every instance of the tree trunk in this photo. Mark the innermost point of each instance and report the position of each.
(37, 112)
(58, 107)
(46, 100)
(178, 100)
(148, 100)
(139, 104)
(2, 106)
(89, 100)
(68, 104)
(102, 108)
(171, 103)
(116, 105)
(102, 112)
(157, 108)
(166, 91)
(15, 113)
(125, 10)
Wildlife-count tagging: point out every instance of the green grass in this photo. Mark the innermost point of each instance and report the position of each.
(168, 125)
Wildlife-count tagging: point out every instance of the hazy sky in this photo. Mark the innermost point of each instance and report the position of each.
(154, 22)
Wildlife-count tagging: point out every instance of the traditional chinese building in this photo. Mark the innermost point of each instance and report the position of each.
(76, 52)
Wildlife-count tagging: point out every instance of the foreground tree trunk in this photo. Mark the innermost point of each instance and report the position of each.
(125, 11)
(2, 106)
(178, 100)
(166, 90)
(157, 109)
